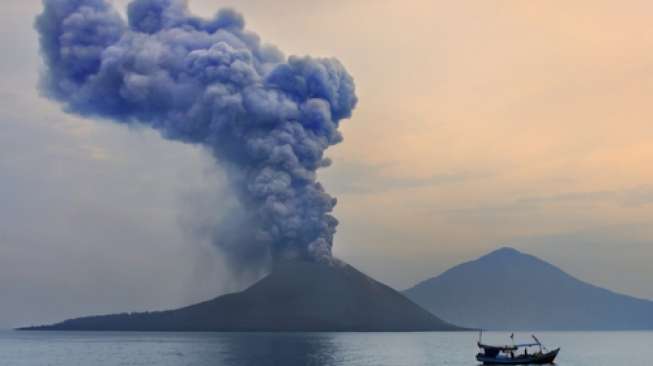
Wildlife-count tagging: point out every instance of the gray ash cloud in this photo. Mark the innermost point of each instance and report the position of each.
(267, 119)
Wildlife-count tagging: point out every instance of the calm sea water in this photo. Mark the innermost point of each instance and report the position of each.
(289, 349)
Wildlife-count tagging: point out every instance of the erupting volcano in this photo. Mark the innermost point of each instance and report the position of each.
(267, 120)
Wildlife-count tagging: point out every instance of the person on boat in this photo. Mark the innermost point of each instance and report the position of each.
(512, 354)
(526, 352)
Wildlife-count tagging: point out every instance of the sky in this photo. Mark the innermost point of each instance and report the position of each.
(479, 125)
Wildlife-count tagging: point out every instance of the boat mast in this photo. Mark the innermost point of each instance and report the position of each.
(537, 341)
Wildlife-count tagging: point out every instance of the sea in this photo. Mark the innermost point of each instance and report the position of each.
(289, 349)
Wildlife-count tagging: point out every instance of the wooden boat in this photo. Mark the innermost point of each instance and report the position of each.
(512, 354)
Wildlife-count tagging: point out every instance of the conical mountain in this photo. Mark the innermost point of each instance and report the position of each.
(295, 296)
(507, 289)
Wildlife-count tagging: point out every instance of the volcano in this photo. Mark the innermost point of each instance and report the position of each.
(510, 290)
(295, 296)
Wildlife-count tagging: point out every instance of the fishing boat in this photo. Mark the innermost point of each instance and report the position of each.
(515, 354)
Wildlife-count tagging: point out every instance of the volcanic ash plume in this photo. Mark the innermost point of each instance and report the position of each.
(265, 118)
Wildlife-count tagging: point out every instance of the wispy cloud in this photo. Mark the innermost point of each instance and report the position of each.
(347, 177)
(636, 196)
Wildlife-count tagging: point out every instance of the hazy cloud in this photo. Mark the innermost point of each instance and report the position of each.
(346, 177)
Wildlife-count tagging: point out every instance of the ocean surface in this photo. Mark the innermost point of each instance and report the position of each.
(289, 349)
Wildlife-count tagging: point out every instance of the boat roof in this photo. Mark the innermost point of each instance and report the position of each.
(521, 345)
(507, 347)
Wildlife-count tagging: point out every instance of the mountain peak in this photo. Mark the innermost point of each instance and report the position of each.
(512, 257)
(504, 252)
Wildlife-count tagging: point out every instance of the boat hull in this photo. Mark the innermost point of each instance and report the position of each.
(543, 359)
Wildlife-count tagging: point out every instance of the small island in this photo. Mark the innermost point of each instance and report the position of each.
(295, 296)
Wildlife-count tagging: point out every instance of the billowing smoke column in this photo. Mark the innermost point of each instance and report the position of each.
(266, 119)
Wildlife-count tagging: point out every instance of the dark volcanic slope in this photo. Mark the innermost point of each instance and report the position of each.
(510, 290)
(296, 296)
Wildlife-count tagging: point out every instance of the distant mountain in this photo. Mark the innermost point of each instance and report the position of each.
(507, 289)
(295, 296)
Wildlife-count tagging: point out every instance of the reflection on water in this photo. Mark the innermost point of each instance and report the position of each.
(310, 349)
(251, 349)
